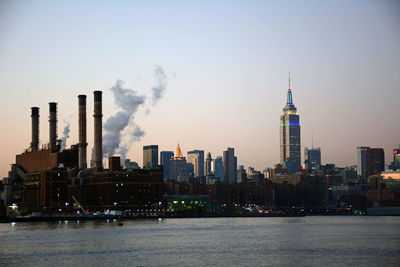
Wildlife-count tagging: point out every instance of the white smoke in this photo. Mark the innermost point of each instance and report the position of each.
(128, 101)
(161, 84)
(65, 137)
(122, 125)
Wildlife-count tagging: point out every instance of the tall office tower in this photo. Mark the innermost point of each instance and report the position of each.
(196, 157)
(370, 161)
(150, 156)
(177, 166)
(219, 168)
(375, 161)
(362, 162)
(165, 157)
(290, 133)
(312, 158)
(230, 165)
(208, 164)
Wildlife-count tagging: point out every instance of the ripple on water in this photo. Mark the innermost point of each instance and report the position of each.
(305, 241)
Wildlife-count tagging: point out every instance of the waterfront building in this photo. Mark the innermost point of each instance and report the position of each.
(290, 133)
(135, 189)
(165, 158)
(391, 179)
(312, 158)
(230, 165)
(150, 156)
(196, 157)
(370, 161)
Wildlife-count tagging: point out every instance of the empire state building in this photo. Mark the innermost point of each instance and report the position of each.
(290, 134)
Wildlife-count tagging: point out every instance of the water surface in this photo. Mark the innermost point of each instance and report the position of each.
(300, 241)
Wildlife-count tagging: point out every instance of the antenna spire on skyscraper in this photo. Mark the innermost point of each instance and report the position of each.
(289, 95)
(312, 140)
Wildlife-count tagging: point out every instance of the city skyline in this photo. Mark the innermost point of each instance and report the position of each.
(347, 97)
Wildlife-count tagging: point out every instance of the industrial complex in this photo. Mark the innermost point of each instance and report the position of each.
(51, 180)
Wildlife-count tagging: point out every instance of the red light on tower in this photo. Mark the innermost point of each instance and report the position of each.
(395, 152)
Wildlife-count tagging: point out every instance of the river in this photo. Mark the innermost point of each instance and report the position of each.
(283, 241)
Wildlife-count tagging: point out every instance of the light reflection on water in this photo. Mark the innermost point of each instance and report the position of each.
(302, 241)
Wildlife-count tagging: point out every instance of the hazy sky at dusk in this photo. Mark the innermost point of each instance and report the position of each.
(227, 63)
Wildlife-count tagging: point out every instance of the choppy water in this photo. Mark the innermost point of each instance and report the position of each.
(303, 241)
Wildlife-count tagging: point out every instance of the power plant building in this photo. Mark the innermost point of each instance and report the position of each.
(45, 179)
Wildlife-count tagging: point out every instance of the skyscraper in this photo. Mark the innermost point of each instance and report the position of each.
(230, 165)
(290, 133)
(165, 157)
(312, 158)
(370, 161)
(362, 162)
(150, 156)
(208, 164)
(177, 168)
(196, 157)
(219, 168)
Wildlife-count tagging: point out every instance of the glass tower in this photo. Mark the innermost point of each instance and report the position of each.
(290, 134)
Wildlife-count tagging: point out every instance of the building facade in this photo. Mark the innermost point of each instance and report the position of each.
(196, 158)
(218, 168)
(290, 133)
(370, 161)
(207, 170)
(312, 158)
(178, 167)
(165, 157)
(230, 165)
(150, 156)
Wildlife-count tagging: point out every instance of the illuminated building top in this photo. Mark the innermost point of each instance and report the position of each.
(178, 153)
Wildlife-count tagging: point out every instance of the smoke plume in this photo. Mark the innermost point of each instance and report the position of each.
(65, 137)
(128, 101)
(161, 84)
(122, 125)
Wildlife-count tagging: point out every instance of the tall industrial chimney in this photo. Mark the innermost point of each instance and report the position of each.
(53, 126)
(35, 129)
(98, 135)
(82, 163)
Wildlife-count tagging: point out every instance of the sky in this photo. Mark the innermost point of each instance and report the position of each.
(226, 67)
